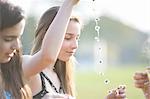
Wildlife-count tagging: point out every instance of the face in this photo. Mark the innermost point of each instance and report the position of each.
(70, 43)
(10, 41)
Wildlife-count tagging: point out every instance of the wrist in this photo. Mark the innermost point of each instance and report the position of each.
(146, 92)
(147, 95)
(71, 3)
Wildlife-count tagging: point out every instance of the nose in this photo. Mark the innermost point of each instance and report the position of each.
(15, 44)
(74, 44)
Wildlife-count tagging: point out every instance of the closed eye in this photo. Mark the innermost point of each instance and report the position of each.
(9, 39)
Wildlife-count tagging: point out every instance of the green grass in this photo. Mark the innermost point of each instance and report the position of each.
(90, 85)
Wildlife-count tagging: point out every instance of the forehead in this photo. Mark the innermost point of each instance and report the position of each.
(74, 27)
(14, 30)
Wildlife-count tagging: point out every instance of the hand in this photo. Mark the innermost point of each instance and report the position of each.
(141, 80)
(76, 1)
(118, 93)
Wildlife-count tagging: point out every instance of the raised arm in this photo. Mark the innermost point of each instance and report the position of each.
(52, 42)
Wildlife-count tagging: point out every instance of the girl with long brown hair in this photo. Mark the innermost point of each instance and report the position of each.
(56, 81)
(51, 32)
(12, 82)
(49, 68)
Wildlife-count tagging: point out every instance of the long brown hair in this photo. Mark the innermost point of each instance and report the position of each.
(64, 70)
(12, 78)
(11, 74)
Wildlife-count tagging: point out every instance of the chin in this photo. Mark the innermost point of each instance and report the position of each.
(65, 59)
(6, 60)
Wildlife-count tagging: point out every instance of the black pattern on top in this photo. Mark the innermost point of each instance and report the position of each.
(43, 91)
(52, 85)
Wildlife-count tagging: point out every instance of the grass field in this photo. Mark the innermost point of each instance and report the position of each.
(92, 85)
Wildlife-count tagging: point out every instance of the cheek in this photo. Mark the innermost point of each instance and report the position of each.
(3, 51)
(63, 49)
(62, 53)
(3, 47)
(65, 45)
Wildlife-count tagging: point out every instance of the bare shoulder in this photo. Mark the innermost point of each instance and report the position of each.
(26, 58)
(25, 61)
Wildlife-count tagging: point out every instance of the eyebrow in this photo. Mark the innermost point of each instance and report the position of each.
(10, 36)
(71, 34)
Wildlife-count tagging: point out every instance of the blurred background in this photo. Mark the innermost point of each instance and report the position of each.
(114, 43)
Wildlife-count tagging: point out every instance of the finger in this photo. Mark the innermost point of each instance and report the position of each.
(140, 76)
(122, 87)
(120, 91)
(141, 81)
(121, 96)
(112, 94)
(138, 72)
(143, 73)
(144, 78)
(141, 85)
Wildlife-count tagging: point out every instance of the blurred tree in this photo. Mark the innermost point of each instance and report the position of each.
(28, 35)
(124, 43)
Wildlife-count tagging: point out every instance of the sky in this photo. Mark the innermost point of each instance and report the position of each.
(135, 13)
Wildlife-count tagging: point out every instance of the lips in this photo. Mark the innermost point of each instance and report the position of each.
(70, 52)
(10, 54)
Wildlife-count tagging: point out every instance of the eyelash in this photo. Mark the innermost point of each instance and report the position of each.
(70, 38)
(8, 39)
(67, 38)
